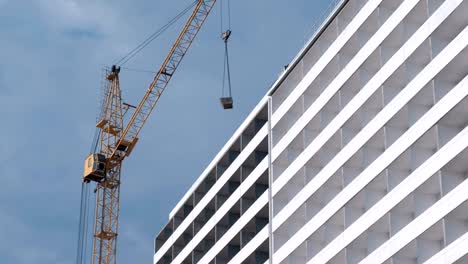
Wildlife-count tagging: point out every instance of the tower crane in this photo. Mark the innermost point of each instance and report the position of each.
(117, 138)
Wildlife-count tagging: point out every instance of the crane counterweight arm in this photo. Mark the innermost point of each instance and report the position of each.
(129, 135)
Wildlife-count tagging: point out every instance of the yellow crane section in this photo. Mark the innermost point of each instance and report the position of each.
(117, 140)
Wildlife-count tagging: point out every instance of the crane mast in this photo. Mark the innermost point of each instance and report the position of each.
(108, 191)
(117, 140)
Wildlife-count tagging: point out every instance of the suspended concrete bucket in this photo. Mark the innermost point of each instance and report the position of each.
(226, 102)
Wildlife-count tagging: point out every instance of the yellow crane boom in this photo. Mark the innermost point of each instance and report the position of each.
(164, 75)
(117, 139)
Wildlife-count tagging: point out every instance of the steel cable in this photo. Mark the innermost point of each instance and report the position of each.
(80, 242)
(153, 36)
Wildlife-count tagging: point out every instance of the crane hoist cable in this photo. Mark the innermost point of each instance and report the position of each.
(226, 99)
(226, 92)
(86, 224)
(97, 133)
(83, 225)
(79, 250)
(228, 13)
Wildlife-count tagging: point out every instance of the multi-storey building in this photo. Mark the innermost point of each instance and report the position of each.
(357, 154)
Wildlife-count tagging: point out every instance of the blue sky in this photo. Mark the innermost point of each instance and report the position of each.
(51, 53)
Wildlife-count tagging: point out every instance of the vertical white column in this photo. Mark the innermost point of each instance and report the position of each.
(270, 184)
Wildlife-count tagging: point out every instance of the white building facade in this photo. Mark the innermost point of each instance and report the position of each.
(357, 154)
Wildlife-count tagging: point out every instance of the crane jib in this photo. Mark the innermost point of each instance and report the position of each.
(129, 136)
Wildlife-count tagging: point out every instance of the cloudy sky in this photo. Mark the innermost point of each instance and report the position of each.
(51, 55)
